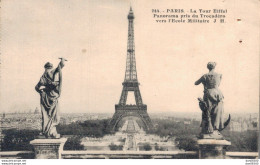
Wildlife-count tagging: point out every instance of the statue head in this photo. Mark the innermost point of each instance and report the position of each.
(211, 65)
(48, 65)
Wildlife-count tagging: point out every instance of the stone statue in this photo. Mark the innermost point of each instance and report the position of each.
(49, 88)
(212, 104)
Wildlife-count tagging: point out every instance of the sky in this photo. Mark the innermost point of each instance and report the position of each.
(92, 36)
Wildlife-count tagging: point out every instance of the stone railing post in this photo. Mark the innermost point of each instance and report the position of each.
(48, 148)
(212, 148)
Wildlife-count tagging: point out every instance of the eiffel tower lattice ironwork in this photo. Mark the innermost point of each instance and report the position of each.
(131, 83)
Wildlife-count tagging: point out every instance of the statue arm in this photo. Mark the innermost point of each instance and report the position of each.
(56, 81)
(199, 80)
(61, 64)
(38, 86)
(59, 67)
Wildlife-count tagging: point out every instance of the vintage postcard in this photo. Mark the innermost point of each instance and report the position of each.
(128, 79)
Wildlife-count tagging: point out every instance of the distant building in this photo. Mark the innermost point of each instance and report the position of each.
(243, 125)
(36, 111)
(187, 122)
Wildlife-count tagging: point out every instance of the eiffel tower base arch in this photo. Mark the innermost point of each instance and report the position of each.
(123, 112)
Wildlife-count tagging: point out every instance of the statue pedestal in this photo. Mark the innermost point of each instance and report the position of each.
(48, 148)
(212, 148)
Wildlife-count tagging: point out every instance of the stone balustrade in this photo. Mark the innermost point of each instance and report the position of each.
(66, 154)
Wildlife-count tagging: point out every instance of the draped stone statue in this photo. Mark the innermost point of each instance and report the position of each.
(212, 105)
(49, 88)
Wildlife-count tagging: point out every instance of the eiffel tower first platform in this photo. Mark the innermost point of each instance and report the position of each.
(123, 110)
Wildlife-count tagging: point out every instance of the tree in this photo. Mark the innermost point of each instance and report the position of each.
(120, 147)
(73, 143)
(147, 147)
(186, 143)
(158, 148)
(114, 147)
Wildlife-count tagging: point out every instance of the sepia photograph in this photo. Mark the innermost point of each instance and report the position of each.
(128, 79)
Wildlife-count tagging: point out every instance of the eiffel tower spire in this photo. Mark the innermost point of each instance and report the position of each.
(130, 73)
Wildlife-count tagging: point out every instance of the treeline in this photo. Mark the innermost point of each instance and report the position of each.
(186, 135)
(164, 127)
(90, 128)
(242, 141)
(18, 140)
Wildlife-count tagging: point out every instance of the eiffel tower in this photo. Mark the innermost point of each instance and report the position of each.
(131, 83)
